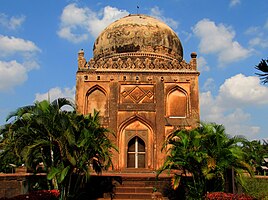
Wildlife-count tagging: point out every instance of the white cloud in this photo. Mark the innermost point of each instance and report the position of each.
(244, 90)
(187, 35)
(253, 30)
(259, 41)
(55, 93)
(227, 107)
(66, 33)
(209, 84)
(210, 109)
(11, 23)
(109, 15)
(30, 64)
(219, 40)
(11, 74)
(77, 23)
(12, 45)
(202, 64)
(234, 3)
(259, 34)
(237, 123)
(157, 13)
(14, 72)
(235, 120)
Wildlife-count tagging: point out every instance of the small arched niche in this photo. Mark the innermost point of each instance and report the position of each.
(96, 99)
(176, 104)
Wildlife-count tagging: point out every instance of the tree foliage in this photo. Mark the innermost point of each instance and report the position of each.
(263, 67)
(256, 151)
(206, 153)
(68, 145)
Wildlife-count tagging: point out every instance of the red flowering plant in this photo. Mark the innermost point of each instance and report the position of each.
(227, 196)
(37, 195)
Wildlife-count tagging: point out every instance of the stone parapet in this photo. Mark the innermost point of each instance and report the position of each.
(15, 184)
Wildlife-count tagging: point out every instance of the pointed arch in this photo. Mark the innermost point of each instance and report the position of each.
(177, 103)
(136, 127)
(133, 119)
(96, 98)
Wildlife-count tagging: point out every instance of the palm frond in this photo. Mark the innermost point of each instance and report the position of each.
(263, 67)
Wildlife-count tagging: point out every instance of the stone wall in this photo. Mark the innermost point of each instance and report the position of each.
(13, 184)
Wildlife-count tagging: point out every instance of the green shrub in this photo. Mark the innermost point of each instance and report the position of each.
(257, 187)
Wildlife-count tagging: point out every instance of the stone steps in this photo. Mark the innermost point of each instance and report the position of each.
(133, 196)
(128, 192)
(128, 189)
(134, 189)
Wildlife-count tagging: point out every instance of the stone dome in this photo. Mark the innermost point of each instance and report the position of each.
(138, 34)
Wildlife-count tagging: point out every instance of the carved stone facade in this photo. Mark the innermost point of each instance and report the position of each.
(142, 87)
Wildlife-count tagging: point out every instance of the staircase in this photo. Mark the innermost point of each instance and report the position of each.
(135, 188)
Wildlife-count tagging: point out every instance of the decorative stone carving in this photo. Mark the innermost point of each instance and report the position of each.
(82, 63)
(143, 134)
(147, 63)
(137, 94)
(174, 63)
(91, 63)
(193, 61)
(129, 64)
(119, 63)
(141, 62)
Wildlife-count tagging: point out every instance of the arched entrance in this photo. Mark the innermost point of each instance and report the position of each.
(136, 153)
(135, 145)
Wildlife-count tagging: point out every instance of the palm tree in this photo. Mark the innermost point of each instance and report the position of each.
(256, 151)
(263, 67)
(185, 155)
(34, 128)
(227, 157)
(86, 147)
(8, 156)
(206, 153)
(39, 122)
(68, 144)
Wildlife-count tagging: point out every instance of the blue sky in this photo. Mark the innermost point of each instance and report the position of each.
(39, 42)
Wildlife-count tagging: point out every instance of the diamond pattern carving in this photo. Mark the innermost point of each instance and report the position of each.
(149, 94)
(137, 94)
(124, 94)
